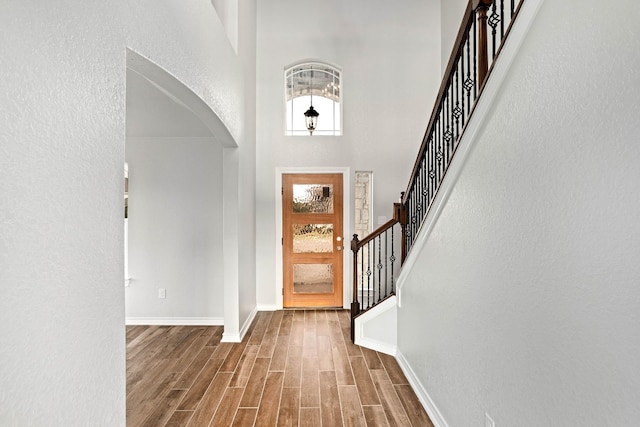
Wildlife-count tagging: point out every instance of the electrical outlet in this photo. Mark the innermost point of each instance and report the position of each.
(488, 421)
(162, 293)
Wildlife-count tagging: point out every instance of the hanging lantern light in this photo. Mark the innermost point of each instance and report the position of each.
(311, 115)
(311, 119)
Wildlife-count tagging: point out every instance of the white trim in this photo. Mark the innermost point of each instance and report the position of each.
(230, 241)
(378, 346)
(432, 410)
(238, 337)
(248, 322)
(175, 321)
(230, 337)
(369, 342)
(346, 216)
(476, 124)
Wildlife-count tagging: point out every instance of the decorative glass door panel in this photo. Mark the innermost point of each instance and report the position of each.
(312, 240)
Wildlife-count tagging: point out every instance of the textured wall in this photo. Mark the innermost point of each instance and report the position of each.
(389, 53)
(175, 228)
(62, 145)
(524, 301)
(62, 100)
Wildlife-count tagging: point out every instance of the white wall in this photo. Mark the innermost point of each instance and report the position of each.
(524, 301)
(228, 13)
(247, 12)
(451, 13)
(175, 223)
(62, 142)
(389, 53)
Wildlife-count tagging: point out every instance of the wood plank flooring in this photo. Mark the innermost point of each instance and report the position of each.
(294, 368)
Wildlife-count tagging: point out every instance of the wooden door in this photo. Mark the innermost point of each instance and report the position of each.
(313, 243)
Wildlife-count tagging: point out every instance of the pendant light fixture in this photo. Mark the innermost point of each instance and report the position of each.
(311, 115)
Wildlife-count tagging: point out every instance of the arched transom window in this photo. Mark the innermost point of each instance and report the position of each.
(317, 84)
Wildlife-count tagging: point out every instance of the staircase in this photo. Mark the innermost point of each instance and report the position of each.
(377, 258)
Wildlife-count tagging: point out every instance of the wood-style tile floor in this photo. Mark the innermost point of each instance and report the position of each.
(294, 368)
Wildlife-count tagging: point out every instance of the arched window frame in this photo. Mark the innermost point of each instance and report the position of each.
(324, 82)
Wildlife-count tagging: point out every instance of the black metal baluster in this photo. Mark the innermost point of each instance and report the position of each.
(456, 111)
(462, 80)
(368, 274)
(447, 148)
(379, 265)
(439, 153)
(425, 186)
(393, 257)
(501, 20)
(362, 280)
(469, 82)
(386, 265)
(419, 197)
(493, 23)
(434, 143)
(412, 216)
(425, 194)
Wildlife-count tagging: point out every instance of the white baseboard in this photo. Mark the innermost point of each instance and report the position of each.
(175, 321)
(229, 337)
(247, 323)
(237, 337)
(436, 417)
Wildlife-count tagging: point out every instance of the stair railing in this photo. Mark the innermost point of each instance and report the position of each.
(376, 263)
(485, 26)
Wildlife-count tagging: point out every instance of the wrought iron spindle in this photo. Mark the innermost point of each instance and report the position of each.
(469, 83)
(386, 247)
(493, 22)
(425, 191)
(392, 259)
(457, 111)
(379, 266)
(464, 111)
(501, 19)
(368, 274)
(362, 282)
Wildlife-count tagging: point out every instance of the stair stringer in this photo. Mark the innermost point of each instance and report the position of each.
(377, 328)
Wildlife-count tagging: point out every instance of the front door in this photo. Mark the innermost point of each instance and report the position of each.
(312, 242)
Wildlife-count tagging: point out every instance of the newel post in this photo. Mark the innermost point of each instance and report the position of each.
(481, 7)
(355, 305)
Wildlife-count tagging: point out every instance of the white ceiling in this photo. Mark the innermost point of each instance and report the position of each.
(153, 113)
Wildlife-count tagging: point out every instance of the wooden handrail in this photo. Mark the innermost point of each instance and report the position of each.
(465, 27)
(378, 231)
(484, 25)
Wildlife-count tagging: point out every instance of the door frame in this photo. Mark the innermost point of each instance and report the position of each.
(347, 284)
